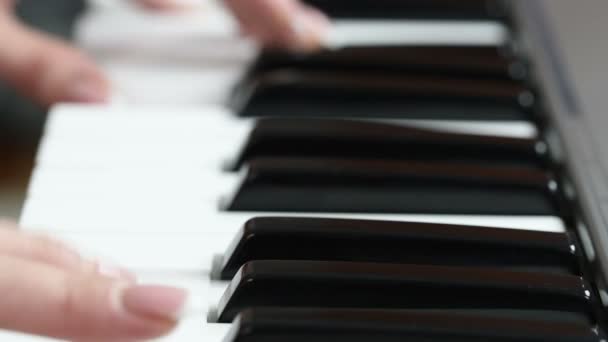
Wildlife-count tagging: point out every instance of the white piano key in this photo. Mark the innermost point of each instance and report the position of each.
(205, 132)
(203, 154)
(513, 129)
(62, 214)
(132, 183)
(216, 140)
(119, 26)
(147, 186)
(189, 80)
(197, 329)
(194, 251)
(101, 122)
(84, 121)
(176, 252)
(345, 33)
(117, 204)
(83, 126)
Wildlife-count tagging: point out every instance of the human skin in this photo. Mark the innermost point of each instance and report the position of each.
(50, 290)
(49, 70)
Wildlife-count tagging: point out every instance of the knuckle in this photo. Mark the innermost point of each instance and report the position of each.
(7, 224)
(49, 250)
(68, 302)
(43, 246)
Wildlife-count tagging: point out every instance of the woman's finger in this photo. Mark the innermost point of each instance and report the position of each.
(44, 300)
(281, 23)
(169, 5)
(46, 250)
(7, 4)
(47, 69)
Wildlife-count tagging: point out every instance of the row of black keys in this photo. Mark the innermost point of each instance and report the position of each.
(408, 82)
(320, 165)
(389, 281)
(395, 81)
(414, 9)
(314, 165)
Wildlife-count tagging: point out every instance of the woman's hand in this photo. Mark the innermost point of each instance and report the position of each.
(49, 290)
(44, 68)
(49, 70)
(287, 24)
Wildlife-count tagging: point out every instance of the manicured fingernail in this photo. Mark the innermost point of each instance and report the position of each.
(309, 30)
(155, 301)
(87, 90)
(111, 270)
(171, 5)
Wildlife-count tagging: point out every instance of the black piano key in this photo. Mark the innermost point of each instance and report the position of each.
(293, 238)
(331, 325)
(334, 94)
(306, 284)
(380, 186)
(412, 9)
(335, 138)
(456, 61)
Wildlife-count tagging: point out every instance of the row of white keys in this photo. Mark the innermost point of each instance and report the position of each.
(414, 32)
(193, 129)
(182, 69)
(123, 122)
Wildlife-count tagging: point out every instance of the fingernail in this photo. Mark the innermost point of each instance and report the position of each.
(111, 270)
(155, 301)
(86, 90)
(309, 31)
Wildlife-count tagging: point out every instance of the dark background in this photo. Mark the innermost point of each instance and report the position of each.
(21, 122)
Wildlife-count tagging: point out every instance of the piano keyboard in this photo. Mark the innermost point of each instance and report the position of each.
(382, 190)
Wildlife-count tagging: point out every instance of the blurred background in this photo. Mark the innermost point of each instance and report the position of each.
(21, 122)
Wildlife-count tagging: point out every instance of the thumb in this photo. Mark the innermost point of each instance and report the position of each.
(44, 300)
(47, 69)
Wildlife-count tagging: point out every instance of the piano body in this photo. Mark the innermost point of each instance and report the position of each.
(437, 175)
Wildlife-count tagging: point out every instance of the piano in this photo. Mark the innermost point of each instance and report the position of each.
(435, 174)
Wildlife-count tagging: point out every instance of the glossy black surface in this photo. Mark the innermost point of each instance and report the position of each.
(293, 238)
(412, 9)
(369, 95)
(330, 138)
(457, 61)
(331, 325)
(343, 185)
(297, 284)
